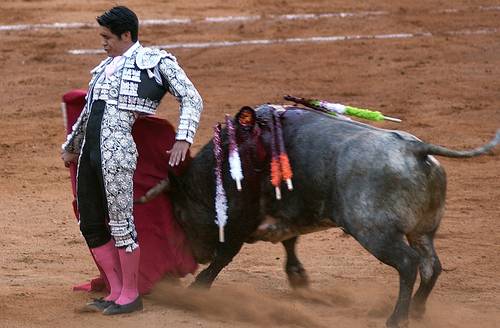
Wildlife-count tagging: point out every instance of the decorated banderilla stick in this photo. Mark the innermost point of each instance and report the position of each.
(339, 109)
(286, 169)
(234, 156)
(276, 175)
(220, 193)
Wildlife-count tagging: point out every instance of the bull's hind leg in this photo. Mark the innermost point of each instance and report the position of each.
(393, 251)
(297, 276)
(225, 253)
(429, 267)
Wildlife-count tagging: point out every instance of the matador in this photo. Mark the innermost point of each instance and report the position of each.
(129, 83)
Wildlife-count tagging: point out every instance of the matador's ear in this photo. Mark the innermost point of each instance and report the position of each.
(246, 117)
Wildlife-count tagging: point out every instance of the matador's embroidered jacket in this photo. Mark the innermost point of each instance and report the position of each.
(135, 88)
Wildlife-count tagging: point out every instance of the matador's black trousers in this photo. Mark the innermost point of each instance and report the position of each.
(91, 194)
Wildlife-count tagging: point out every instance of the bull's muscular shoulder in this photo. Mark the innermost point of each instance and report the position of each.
(150, 57)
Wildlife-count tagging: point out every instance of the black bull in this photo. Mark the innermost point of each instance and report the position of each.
(382, 187)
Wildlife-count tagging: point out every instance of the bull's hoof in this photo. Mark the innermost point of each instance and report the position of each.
(417, 311)
(199, 285)
(297, 277)
(202, 281)
(396, 323)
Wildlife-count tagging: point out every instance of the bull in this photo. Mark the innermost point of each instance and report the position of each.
(382, 187)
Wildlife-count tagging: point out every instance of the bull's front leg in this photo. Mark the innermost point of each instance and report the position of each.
(297, 276)
(224, 255)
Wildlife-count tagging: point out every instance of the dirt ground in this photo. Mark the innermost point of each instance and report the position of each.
(444, 86)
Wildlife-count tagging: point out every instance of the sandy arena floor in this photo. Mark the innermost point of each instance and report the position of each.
(443, 83)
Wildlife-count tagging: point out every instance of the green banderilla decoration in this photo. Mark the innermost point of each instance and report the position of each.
(339, 109)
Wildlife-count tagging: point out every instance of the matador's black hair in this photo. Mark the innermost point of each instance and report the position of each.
(119, 20)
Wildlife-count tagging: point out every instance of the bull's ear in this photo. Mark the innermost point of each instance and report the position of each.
(246, 117)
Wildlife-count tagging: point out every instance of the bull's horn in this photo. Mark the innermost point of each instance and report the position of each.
(163, 185)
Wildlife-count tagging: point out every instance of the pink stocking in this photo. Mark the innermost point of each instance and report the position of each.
(107, 257)
(130, 272)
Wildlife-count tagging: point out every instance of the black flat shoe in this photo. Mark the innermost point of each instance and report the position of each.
(125, 308)
(98, 305)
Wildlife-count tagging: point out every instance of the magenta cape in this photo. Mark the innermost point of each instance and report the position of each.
(164, 247)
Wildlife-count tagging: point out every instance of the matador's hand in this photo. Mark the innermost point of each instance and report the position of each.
(69, 158)
(178, 152)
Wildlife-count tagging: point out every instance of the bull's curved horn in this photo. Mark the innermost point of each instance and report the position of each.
(163, 185)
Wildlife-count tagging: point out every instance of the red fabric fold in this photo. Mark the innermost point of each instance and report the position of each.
(164, 247)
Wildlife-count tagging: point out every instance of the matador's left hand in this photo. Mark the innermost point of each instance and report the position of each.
(178, 152)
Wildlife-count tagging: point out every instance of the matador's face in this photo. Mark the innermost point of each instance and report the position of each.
(113, 44)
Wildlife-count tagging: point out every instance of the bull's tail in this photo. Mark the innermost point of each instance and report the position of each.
(430, 149)
(162, 186)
